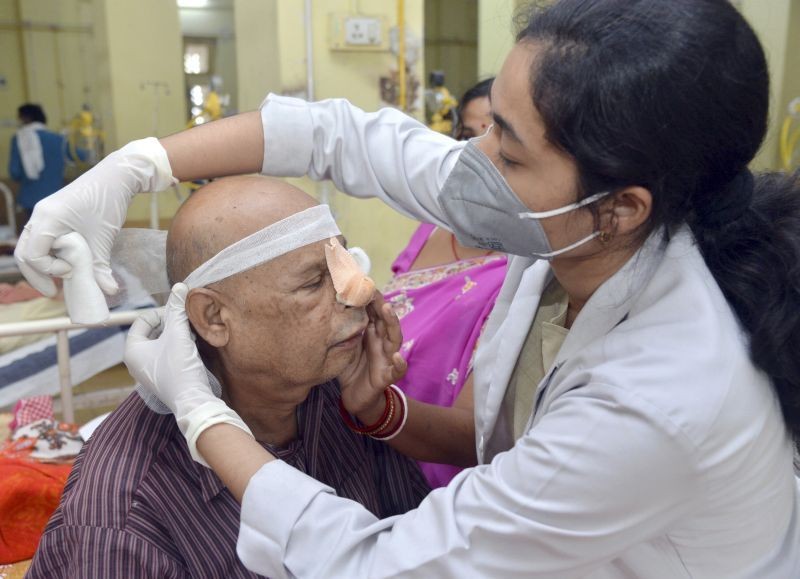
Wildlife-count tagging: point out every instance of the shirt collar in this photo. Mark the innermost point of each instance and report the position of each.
(211, 485)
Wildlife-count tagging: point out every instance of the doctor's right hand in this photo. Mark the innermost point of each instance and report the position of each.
(161, 355)
(94, 205)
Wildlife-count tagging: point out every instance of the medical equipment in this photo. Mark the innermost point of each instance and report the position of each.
(440, 105)
(85, 141)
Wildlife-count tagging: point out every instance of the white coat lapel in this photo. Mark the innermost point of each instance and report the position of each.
(502, 341)
(611, 302)
(607, 307)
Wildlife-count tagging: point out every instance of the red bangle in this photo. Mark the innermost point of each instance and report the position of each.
(401, 420)
(379, 425)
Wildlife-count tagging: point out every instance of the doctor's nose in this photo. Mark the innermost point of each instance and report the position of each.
(489, 144)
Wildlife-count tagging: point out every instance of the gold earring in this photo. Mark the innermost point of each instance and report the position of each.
(604, 237)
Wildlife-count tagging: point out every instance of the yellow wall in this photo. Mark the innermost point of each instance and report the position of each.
(140, 57)
(791, 70)
(256, 46)
(777, 23)
(771, 21)
(495, 34)
(14, 92)
(47, 58)
(275, 27)
(95, 52)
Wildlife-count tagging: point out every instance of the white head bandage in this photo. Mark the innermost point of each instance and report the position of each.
(303, 228)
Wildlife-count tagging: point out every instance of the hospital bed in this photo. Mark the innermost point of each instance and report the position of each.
(71, 354)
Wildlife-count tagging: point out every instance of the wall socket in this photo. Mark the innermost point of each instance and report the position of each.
(358, 32)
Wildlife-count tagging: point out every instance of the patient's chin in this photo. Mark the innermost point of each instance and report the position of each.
(341, 358)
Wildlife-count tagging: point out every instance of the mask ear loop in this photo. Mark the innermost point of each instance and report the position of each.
(551, 254)
(566, 209)
(604, 236)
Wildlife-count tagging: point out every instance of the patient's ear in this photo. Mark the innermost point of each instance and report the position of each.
(204, 308)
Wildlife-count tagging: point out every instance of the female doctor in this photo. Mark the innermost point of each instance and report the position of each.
(658, 396)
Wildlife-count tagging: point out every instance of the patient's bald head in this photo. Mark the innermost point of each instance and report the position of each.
(276, 324)
(223, 212)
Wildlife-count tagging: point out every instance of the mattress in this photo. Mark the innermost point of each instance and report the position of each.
(33, 369)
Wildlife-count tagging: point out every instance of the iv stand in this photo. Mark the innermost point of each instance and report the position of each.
(158, 89)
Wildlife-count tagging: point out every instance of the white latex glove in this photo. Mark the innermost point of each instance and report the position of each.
(94, 205)
(161, 355)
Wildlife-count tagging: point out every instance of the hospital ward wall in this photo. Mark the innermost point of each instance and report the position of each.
(124, 59)
(271, 53)
(140, 79)
(112, 56)
(777, 24)
(46, 56)
(216, 22)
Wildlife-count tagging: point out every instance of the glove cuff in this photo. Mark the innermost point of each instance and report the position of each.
(209, 413)
(149, 159)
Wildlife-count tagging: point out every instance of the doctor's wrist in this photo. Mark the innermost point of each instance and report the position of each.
(375, 411)
(384, 423)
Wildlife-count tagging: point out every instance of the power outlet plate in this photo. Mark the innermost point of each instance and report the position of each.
(362, 31)
(358, 32)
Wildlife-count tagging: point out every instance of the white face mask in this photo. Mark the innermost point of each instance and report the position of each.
(484, 212)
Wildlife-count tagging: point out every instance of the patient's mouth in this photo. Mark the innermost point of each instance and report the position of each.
(352, 340)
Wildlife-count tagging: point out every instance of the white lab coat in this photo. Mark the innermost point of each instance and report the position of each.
(656, 451)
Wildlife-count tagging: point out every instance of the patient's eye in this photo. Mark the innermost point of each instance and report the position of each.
(316, 283)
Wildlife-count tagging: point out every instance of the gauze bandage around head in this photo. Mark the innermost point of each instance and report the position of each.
(303, 228)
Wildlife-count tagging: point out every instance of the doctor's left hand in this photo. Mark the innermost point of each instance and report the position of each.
(161, 355)
(379, 365)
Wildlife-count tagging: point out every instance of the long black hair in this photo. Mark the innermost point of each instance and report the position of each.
(673, 96)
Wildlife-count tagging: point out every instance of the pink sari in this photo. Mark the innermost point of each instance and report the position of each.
(442, 311)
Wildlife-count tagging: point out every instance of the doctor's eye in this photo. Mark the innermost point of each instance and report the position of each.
(506, 162)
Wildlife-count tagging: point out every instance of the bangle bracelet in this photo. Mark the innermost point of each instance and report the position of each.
(385, 424)
(380, 424)
(401, 397)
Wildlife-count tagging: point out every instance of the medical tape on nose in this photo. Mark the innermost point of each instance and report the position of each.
(308, 226)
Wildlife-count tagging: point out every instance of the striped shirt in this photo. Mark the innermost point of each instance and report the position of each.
(137, 505)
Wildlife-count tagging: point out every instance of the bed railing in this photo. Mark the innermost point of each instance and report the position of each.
(60, 327)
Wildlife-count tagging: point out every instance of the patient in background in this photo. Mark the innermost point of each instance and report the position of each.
(136, 504)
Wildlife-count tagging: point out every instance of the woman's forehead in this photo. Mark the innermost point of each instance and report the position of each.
(512, 102)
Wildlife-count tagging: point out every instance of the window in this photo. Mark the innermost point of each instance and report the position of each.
(195, 58)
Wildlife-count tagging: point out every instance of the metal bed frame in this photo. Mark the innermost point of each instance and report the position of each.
(60, 327)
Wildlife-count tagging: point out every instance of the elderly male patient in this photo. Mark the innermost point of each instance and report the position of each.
(136, 504)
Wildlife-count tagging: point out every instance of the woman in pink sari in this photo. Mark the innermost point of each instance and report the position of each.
(442, 306)
(443, 293)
